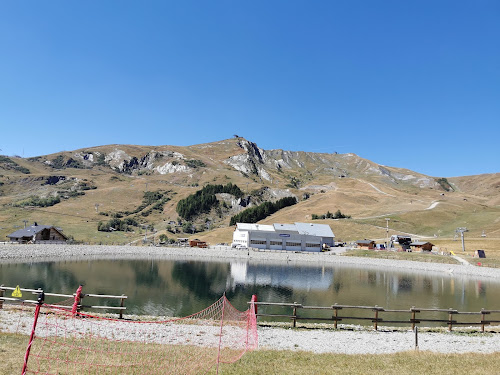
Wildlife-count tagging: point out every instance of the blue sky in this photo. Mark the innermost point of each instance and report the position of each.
(413, 84)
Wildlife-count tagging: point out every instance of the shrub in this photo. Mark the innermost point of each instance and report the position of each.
(329, 215)
(8, 163)
(444, 183)
(39, 202)
(117, 224)
(194, 163)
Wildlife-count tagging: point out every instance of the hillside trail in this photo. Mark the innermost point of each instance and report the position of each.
(460, 259)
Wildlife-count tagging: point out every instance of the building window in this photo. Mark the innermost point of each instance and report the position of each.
(275, 243)
(293, 244)
(313, 245)
(258, 242)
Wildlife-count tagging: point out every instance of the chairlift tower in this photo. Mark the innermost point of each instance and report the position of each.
(462, 230)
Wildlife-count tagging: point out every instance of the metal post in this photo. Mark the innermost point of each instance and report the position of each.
(40, 300)
(387, 233)
(221, 327)
(416, 338)
(78, 296)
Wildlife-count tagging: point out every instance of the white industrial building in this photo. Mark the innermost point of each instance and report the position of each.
(293, 237)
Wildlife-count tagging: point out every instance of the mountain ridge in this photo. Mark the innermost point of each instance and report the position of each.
(114, 178)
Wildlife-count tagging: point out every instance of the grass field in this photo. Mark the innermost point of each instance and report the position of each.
(13, 347)
(415, 256)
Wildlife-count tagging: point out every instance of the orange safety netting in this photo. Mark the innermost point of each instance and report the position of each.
(69, 342)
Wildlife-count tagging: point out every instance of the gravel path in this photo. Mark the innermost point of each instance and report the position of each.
(375, 342)
(350, 341)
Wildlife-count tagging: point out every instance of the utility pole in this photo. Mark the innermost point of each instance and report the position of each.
(387, 232)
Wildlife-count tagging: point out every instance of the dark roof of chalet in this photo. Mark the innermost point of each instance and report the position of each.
(420, 243)
(363, 242)
(32, 230)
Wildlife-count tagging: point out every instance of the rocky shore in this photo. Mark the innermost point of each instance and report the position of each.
(14, 253)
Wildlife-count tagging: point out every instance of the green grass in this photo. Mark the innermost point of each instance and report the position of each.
(407, 363)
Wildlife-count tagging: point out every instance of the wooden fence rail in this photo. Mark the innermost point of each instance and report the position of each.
(451, 318)
(81, 306)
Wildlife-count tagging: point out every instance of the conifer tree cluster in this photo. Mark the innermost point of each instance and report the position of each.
(255, 214)
(203, 200)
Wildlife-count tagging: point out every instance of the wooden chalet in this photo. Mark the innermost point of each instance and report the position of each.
(38, 234)
(421, 245)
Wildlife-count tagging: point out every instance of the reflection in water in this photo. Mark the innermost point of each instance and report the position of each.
(300, 278)
(169, 287)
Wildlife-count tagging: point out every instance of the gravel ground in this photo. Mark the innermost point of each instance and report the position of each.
(346, 340)
(349, 340)
(363, 341)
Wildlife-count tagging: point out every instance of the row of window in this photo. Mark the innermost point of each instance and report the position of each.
(258, 242)
(280, 243)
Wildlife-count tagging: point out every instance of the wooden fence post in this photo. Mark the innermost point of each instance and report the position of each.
(121, 305)
(483, 317)
(294, 319)
(1, 295)
(450, 318)
(413, 314)
(335, 315)
(375, 322)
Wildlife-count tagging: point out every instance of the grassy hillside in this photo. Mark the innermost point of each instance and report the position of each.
(114, 179)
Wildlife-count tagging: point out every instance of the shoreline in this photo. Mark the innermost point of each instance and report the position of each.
(16, 253)
(346, 341)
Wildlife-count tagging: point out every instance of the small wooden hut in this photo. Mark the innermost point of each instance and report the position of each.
(366, 244)
(421, 245)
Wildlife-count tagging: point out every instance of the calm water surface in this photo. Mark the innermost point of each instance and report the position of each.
(180, 288)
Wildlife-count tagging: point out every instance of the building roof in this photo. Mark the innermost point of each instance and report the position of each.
(367, 242)
(420, 243)
(247, 226)
(285, 227)
(32, 230)
(319, 230)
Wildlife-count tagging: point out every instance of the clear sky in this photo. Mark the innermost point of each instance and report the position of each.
(412, 84)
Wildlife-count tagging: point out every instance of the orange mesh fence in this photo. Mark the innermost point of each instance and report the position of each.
(76, 343)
